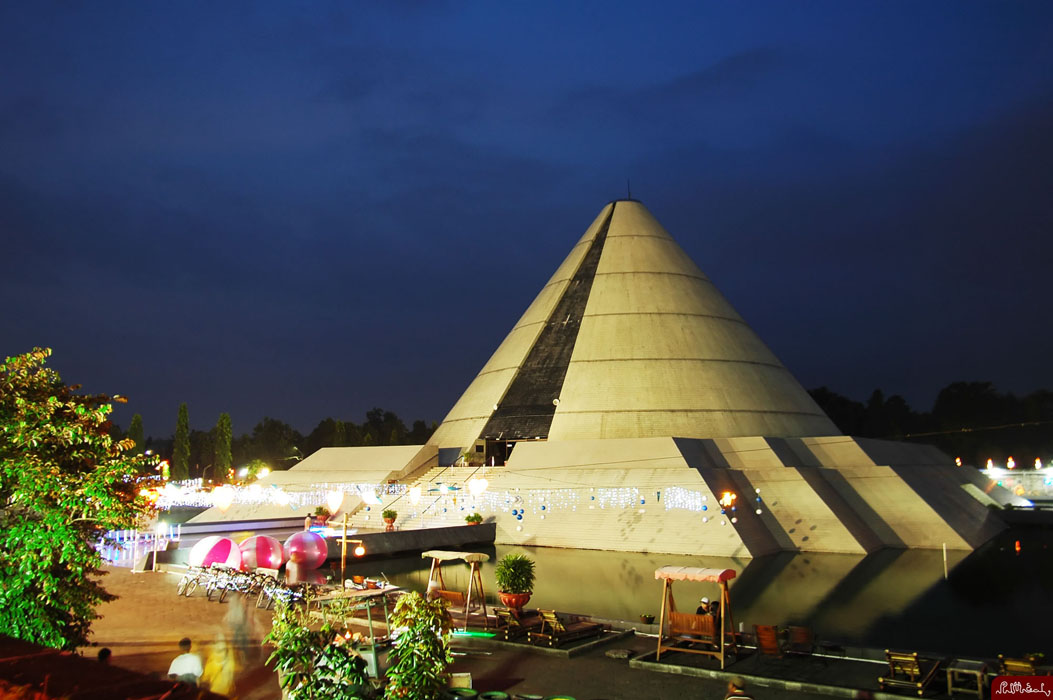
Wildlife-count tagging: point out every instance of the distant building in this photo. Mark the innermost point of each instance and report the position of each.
(631, 408)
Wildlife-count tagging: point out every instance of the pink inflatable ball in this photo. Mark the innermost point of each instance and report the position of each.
(294, 573)
(261, 551)
(307, 549)
(215, 550)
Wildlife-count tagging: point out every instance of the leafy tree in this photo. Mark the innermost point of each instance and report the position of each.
(221, 437)
(135, 433)
(181, 451)
(846, 414)
(384, 426)
(420, 433)
(274, 442)
(202, 452)
(64, 482)
(417, 663)
(328, 433)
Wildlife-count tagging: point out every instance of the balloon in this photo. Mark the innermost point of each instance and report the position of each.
(308, 549)
(215, 550)
(261, 551)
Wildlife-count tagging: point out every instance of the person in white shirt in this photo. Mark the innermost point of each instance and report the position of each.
(186, 667)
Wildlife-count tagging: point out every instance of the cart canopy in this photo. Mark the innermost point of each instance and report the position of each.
(444, 555)
(694, 573)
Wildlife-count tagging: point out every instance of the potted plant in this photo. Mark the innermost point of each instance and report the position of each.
(515, 580)
(321, 514)
(389, 519)
(473, 519)
(417, 662)
(647, 618)
(313, 663)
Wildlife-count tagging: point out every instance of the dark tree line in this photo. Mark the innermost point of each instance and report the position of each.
(276, 443)
(971, 420)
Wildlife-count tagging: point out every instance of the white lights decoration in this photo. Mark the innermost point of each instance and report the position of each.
(369, 496)
(334, 499)
(223, 497)
(476, 487)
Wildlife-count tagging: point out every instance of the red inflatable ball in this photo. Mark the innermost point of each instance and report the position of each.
(261, 551)
(215, 550)
(307, 549)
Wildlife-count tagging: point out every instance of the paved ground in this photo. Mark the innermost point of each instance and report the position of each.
(143, 626)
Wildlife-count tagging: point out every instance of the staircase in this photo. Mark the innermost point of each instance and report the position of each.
(443, 501)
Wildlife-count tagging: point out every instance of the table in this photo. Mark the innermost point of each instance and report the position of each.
(970, 671)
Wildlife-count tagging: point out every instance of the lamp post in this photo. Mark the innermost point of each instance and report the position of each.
(358, 551)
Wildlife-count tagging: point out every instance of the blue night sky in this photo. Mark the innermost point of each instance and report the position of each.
(305, 209)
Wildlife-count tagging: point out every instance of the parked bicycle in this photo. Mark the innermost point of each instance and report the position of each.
(189, 581)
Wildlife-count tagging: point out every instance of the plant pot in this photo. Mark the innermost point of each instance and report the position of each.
(647, 619)
(389, 524)
(472, 522)
(515, 601)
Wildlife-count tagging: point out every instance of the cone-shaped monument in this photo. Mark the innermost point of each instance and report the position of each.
(629, 339)
(631, 408)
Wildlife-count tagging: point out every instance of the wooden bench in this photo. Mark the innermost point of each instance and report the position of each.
(1017, 667)
(693, 628)
(909, 671)
(554, 631)
(454, 599)
(510, 627)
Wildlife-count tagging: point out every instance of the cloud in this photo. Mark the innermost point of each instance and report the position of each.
(730, 77)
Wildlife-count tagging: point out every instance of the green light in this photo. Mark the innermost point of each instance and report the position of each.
(473, 633)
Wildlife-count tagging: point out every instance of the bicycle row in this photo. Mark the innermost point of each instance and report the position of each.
(218, 581)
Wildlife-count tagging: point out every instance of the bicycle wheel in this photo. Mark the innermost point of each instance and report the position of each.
(191, 586)
(181, 588)
(223, 594)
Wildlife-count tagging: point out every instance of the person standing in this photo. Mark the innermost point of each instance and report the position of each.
(221, 668)
(187, 666)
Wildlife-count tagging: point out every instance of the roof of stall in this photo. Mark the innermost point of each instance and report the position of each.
(444, 555)
(694, 573)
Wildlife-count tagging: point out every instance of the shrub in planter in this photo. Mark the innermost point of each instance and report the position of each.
(389, 514)
(418, 660)
(515, 579)
(314, 663)
(473, 519)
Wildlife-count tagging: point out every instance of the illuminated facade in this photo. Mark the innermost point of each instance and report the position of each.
(632, 408)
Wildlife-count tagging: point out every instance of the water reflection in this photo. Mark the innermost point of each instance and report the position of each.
(892, 598)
